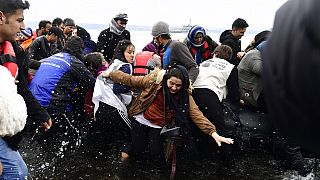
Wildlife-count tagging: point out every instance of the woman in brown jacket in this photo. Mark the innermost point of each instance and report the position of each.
(164, 99)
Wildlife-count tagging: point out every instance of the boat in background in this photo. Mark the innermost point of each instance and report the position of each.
(183, 29)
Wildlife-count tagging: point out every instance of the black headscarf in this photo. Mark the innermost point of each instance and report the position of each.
(179, 104)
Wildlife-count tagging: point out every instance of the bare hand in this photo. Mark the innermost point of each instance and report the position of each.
(219, 139)
(105, 74)
(47, 125)
(240, 54)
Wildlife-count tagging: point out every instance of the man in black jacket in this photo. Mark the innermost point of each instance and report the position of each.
(44, 46)
(232, 39)
(109, 38)
(11, 22)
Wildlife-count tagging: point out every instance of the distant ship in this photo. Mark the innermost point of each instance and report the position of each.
(183, 29)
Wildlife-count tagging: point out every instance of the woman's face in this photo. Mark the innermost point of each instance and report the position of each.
(198, 38)
(174, 84)
(129, 54)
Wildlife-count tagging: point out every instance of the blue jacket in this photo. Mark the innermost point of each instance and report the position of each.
(56, 79)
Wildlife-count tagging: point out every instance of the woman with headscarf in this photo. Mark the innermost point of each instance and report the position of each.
(200, 45)
(165, 100)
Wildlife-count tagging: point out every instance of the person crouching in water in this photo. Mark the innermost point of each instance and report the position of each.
(164, 99)
(110, 105)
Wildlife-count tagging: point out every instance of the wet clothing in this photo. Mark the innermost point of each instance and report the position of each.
(56, 79)
(107, 42)
(226, 38)
(176, 52)
(13, 165)
(39, 49)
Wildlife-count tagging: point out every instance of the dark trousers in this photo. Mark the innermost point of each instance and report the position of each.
(210, 105)
(147, 143)
(109, 127)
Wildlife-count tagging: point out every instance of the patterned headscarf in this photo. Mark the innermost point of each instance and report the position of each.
(192, 34)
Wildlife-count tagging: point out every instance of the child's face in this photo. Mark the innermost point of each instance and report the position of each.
(129, 54)
(174, 84)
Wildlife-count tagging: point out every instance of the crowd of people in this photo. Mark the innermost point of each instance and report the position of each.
(57, 78)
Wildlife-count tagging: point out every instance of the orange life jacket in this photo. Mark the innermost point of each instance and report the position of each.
(8, 58)
(140, 67)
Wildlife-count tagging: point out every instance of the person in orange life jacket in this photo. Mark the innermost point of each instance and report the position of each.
(25, 38)
(232, 39)
(200, 45)
(11, 23)
(159, 89)
(122, 60)
(217, 81)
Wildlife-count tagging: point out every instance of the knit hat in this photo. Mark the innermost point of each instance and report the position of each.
(122, 16)
(27, 32)
(160, 28)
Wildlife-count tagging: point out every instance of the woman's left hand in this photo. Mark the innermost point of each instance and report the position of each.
(219, 139)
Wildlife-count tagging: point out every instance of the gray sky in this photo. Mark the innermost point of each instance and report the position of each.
(208, 13)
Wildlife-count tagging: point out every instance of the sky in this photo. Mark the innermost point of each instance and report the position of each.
(207, 13)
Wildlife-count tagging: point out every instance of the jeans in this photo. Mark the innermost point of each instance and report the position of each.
(13, 165)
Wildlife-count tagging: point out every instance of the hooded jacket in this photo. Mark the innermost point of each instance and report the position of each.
(226, 38)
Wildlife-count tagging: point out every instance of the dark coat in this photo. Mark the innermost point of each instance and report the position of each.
(107, 42)
(40, 49)
(226, 38)
(291, 72)
(36, 113)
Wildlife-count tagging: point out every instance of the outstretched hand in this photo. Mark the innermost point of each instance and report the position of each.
(47, 125)
(219, 139)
